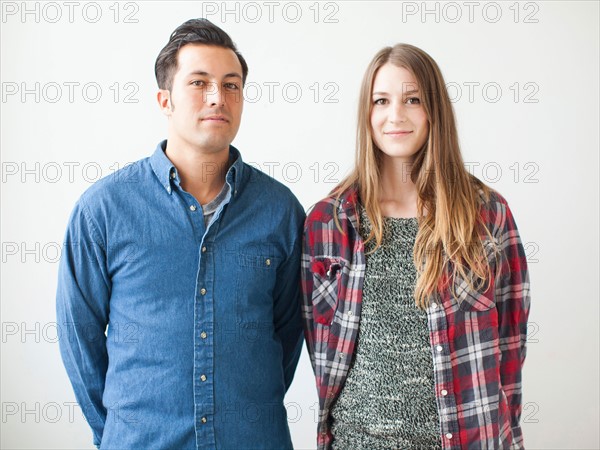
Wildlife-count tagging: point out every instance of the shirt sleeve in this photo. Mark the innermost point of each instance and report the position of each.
(307, 291)
(82, 305)
(287, 320)
(513, 302)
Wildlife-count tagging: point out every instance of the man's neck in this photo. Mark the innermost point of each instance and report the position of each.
(202, 174)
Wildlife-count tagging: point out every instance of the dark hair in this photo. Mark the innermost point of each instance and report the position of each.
(194, 31)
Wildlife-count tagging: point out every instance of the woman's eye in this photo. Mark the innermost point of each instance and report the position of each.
(380, 101)
(413, 101)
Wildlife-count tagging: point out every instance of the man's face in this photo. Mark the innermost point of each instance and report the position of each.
(205, 103)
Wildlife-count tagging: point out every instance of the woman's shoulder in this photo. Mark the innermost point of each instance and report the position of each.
(336, 203)
(494, 209)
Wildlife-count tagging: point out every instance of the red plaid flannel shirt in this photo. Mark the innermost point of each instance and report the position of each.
(478, 342)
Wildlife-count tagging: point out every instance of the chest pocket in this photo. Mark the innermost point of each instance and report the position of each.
(327, 274)
(256, 276)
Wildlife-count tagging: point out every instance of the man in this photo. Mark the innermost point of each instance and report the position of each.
(179, 282)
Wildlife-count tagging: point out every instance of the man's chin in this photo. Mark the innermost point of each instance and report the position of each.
(212, 146)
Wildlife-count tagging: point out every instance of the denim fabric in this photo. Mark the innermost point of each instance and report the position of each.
(176, 335)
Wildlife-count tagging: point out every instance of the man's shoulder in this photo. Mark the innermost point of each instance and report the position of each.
(121, 182)
(277, 191)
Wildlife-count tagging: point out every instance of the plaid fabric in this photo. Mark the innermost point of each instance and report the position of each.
(477, 338)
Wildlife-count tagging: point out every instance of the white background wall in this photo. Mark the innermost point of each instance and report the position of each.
(524, 78)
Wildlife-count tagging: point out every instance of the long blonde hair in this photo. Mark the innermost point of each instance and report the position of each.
(450, 231)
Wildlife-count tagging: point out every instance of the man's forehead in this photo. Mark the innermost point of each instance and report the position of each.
(202, 57)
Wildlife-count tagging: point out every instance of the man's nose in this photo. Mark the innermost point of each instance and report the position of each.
(214, 95)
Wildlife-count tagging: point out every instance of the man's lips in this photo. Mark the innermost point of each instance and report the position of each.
(215, 118)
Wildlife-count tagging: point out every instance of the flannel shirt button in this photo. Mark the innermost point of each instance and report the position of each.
(434, 305)
(342, 356)
(349, 313)
(439, 348)
(449, 435)
(444, 393)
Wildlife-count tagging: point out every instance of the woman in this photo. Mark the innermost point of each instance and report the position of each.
(415, 283)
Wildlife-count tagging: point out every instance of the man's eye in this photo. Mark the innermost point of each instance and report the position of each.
(380, 101)
(231, 86)
(199, 83)
(413, 101)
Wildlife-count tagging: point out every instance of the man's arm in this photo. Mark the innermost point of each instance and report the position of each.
(512, 301)
(82, 305)
(286, 314)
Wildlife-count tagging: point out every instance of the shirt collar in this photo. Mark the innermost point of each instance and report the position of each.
(348, 204)
(166, 172)
(348, 200)
(234, 175)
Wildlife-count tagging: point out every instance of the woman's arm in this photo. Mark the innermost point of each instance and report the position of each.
(512, 301)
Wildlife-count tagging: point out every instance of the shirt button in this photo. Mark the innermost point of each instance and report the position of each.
(203, 335)
(202, 291)
(434, 305)
(173, 174)
(203, 420)
(449, 435)
(439, 348)
(193, 208)
(268, 262)
(203, 377)
(342, 356)
(349, 313)
(444, 392)
(203, 249)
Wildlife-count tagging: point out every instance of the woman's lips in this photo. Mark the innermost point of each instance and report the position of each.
(397, 133)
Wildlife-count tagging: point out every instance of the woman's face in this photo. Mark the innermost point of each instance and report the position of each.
(398, 119)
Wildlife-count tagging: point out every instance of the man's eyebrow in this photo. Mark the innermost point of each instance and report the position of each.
(206, 74)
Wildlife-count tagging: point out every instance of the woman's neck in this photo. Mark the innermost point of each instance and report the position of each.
(398, 194)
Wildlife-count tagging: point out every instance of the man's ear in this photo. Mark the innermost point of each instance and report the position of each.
(164, 101)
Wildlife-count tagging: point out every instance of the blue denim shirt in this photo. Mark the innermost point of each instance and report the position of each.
(175, 335)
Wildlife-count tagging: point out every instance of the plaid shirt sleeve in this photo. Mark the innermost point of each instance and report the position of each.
(307, 288)
(512, 302)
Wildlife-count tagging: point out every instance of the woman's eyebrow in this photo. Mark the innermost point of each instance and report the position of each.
(412, 91)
